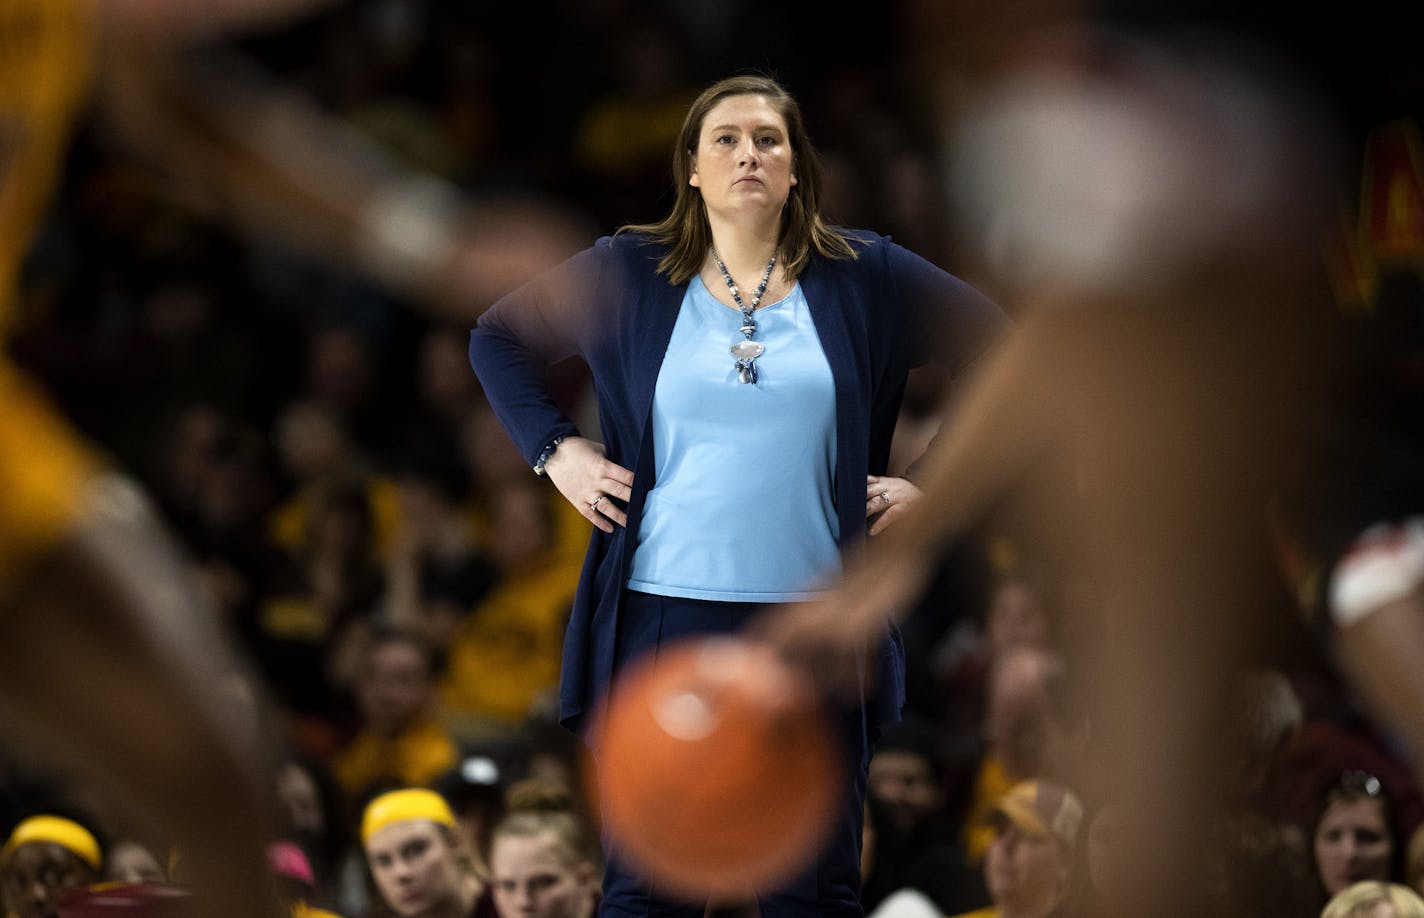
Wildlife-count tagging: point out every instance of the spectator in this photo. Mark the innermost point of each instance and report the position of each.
(910, 842)
(1013, 612)
(318, 454)
(1028, 867)
(310, 812)
(315, 607)
(1020, 735)
(505, 656)
(45, 857)
(418, 860)
(906, 774)
(1353, 835)
(435, 572)
(399, 739)
(904, 878)
(1375, 899)
(544, 857)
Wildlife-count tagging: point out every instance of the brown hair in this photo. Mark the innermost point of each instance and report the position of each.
(536, 806)
(685, 229)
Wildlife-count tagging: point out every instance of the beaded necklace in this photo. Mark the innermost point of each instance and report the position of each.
(747, 350)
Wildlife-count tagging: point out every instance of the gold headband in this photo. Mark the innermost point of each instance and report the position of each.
(66, 833)
(403, 805)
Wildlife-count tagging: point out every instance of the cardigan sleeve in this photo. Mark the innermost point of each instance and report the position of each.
(521, 336)
(947, 321)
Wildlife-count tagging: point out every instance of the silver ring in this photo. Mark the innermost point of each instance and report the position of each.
(594, 505)
(885, 496)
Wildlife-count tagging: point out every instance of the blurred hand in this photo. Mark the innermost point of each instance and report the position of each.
(890, 498)
(831, 637)
(591, 482)
(499, 247)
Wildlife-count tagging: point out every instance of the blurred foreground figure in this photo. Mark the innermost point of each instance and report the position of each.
(113, 664)
(1155, 213)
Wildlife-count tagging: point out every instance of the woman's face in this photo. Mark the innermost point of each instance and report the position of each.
(415, 867)
(1025, 873)
(1352, 843)
(743, 162)
(394, 687)
(533, 879)
(300, 800)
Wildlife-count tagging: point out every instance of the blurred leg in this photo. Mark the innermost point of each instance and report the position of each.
(114, 667)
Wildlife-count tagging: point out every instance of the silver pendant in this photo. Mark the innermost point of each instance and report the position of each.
(746, 353)
(747, 350)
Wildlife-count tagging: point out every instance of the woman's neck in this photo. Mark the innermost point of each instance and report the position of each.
(744, 250)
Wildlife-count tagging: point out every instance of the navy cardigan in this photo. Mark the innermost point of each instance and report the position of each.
(878, 316)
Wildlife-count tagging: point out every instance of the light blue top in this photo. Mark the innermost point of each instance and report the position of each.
(742, 506)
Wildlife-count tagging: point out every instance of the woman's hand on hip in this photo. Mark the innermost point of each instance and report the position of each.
(887, 499)
(597, 487)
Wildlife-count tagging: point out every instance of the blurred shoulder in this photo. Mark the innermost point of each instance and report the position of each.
(635, 253)
(633, 243)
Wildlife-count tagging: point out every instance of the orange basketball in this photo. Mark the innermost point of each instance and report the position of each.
(718, 773)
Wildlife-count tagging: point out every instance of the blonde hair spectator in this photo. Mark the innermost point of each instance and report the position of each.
(544, 859)
(1375, 899)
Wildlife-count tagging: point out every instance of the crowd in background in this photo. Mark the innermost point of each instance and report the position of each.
(399, 579)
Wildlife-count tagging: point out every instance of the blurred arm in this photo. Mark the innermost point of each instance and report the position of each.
(124, 675)
(1002, 421)
(268, 159)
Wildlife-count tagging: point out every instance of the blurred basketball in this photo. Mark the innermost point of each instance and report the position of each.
(132, 900)
(718, 772)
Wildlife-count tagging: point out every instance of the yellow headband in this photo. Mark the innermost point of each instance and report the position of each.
(403, 805)
(66, 833)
